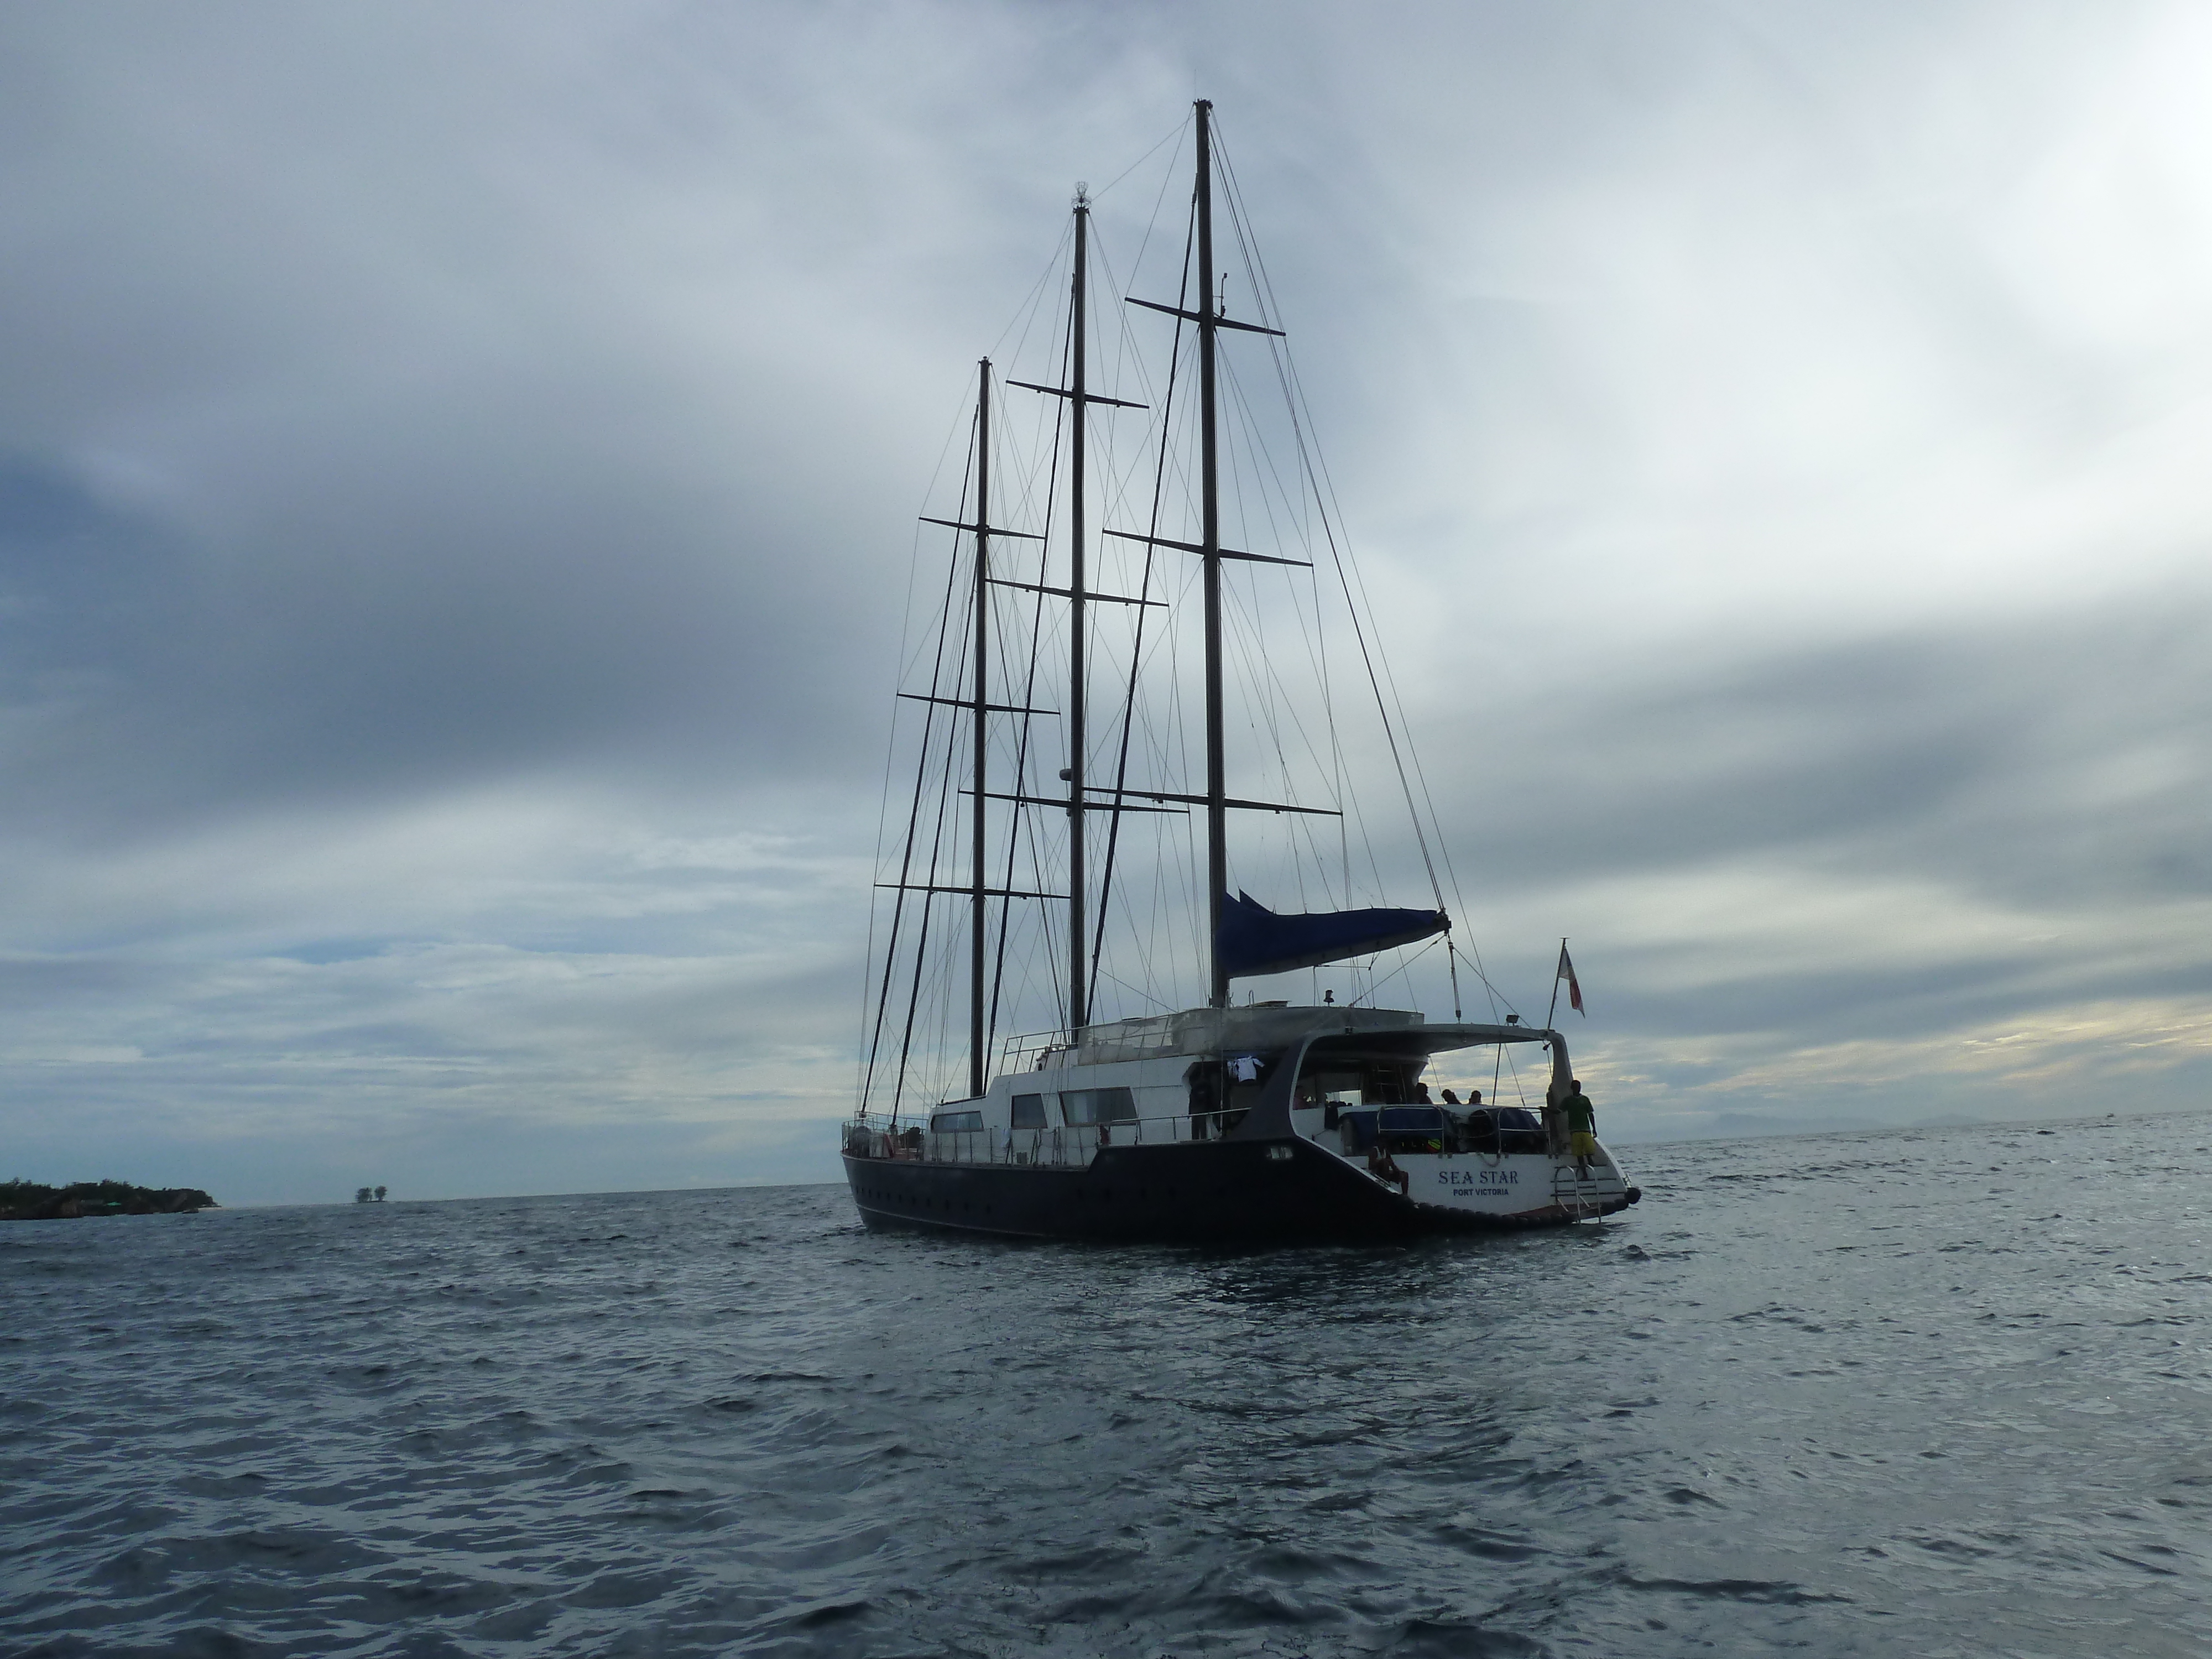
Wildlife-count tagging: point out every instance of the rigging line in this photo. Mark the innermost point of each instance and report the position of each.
(1144, 591)
(1026, 312)
(1520, 1093)
(945, 797)
(1316, 466)
(1168, 137)
(1264, 288)
(906, 862)
(922, 945)
(1044, 925)
(866, 1057)
(1294, 400)
(1255, 268)
(1179, 886)
(1168, 175)
(1164, 917)
(1138, 991)
(1374, 986)
(1125, 336)
(1250, 595)
(1274, 493)
(1497, 997)
(965, 422)
(1328, 759)
(1263, 713)
(891, 744)
(1027, 472)
(1022, 739)
(914, 814)
(1367, 657)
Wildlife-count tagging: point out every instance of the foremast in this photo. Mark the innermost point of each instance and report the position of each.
(980, 708)
(978, 907)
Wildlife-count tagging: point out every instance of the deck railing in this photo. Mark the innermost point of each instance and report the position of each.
(1098, 1044)
(1029, 1052)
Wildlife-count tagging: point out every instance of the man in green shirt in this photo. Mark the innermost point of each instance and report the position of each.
(1581, 1129)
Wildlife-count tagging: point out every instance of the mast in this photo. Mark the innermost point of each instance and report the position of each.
(1078, 1003)
(982, 638)
(1217, 836)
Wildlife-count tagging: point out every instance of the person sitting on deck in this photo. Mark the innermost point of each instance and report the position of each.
(1450, 1099)
(1581, 1129)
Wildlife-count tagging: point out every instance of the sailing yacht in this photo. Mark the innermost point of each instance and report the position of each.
(1271, 1121)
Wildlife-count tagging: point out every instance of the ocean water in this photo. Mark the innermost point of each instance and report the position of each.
(1935, 1393)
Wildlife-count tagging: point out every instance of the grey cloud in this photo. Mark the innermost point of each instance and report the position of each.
(1988, 755)
(440, 450)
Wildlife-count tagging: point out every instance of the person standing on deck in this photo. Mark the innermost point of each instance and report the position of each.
(1581, 1129)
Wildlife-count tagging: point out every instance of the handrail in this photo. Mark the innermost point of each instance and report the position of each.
(1029, 1052)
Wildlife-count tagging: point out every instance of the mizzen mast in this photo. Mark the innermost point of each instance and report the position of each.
(1208, 547)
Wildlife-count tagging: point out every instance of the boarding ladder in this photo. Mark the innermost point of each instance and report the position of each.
(1580, 1199)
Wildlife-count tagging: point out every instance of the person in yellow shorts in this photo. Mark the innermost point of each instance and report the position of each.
(1582, 1129)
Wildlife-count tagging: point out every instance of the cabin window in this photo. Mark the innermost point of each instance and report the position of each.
(1028, 1111)
(954, 1123)
(1333, 1089)
(1099, 1106)
(1392, 1085)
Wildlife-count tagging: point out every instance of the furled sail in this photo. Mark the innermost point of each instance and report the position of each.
(1255, 940)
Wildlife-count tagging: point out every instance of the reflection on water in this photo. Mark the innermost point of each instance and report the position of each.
(1934, 1392)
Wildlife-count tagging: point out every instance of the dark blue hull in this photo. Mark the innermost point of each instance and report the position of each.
(1203, 1192)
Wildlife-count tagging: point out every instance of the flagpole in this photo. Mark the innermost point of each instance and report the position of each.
(1554, 1008)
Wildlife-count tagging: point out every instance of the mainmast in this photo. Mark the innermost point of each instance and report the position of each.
(1077, 1002)
(1217, 815)
(1077, 593)
(976, 905)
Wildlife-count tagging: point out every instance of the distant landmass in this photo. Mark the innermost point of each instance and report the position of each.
(1751, 1126)
(33, 1201)
(1748, 1126)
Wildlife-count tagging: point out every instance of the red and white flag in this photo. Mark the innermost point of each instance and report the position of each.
(1574, 988)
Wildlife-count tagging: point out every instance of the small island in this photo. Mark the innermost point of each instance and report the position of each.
(33, 1201)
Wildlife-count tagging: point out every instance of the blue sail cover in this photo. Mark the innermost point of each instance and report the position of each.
(1255, 940)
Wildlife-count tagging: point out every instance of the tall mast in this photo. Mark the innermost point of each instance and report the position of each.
(1078, 1003)
(983, 640)
(1217, 836)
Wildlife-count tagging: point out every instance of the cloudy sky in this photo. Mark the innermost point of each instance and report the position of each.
(457, 468)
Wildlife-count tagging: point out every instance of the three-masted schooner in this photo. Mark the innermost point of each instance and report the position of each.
(1267, 1122)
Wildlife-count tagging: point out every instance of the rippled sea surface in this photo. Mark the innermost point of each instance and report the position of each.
(1943, 1392)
